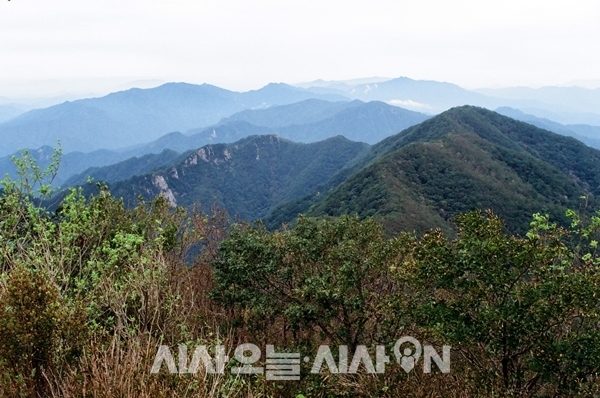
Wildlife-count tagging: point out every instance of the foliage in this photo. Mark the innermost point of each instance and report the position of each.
(461, 160)
(90, 275)
(38, 329)
(522, 311)
(90, 290)
(333, 276)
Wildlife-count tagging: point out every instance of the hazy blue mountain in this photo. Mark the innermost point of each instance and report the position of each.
(366, 122)
(586, 130)
(303, 112)
(71, 163)
(76, 125)
(315, 120)
(343, 84)
(175, 140)
(134, 116)
(417, 95)
(228, 132)
(9, 111)
(589, 135)
(305, 121)
(438, 95)
(281, 94)
(195, 138)
(567, 105)
(29, 103)
(556, 113)
(571, 99)
(340, 87)
(248, 178)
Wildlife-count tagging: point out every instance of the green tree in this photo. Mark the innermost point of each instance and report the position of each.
(37, 328)
(523, 312)
(330, 276)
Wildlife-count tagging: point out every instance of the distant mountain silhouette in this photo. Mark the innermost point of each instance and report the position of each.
(417, 95)
(8, 112)
(306, 121)
(567, 105)
(589, 135)
(312, 121)
(134, 116)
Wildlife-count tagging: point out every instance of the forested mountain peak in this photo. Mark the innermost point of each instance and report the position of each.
(248, 177)
(463, 159)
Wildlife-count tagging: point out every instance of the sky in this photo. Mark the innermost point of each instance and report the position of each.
(51, 47)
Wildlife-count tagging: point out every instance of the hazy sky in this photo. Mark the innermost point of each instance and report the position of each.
(244, 44)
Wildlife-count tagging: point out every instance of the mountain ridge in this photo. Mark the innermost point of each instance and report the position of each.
(247, 178)
(134, 116)
(463, 159)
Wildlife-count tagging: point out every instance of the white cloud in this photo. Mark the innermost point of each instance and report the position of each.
(410, 104)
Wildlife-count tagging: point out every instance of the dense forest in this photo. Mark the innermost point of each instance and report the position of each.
(91, 289)
(464, 159)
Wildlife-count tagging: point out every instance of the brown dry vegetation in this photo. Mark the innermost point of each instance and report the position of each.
(90, 291)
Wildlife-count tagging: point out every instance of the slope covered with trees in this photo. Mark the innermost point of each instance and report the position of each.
(247, 178)
(464, 159)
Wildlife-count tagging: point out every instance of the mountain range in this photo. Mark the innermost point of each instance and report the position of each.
(464, 159)
(135, 116)
(329, 148)
(305, 121)
(314, 120)
(247, 178)
(567, 105)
